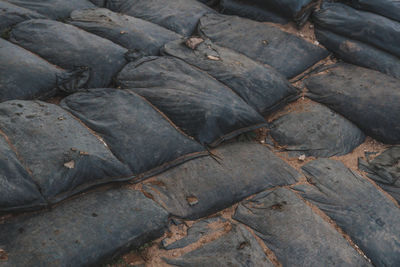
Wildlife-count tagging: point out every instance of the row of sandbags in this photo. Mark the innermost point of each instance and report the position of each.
(362, 37)
(277, 11)
(89, 229)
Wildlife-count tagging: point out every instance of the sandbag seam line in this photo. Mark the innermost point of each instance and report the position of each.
(161, 113)
(236, 132)
(21, 161)
(94, 133)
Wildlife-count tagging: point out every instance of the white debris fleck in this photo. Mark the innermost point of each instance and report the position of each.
(69, 164)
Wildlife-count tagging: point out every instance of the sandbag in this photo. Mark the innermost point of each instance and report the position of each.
(366, 97)
(359, 208)
(11, 14)
(86, 231)
(387, 8)
(209, 2)
(359, 53)
(207, 185)
(385, 170)
(259, 85)
(69, 47)
(62, 156)
(198, 104)
(54, 9)
(99, 3)
(251, 10)
(180, 16)
(18, 191)
(24, 75)
(236, 248)
(137, 134)
(315, 130)
(296, 10)
(140, 36)
(296, 235)
(287, 53)
(363, 26)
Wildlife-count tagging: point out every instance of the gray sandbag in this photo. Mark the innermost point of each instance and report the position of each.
(296, 235)
(180, 16)
(315, 130)
(366, 97)
(209, 2)
(296, 10)
(261, 86)
(140, 36)
(359, 53)
(99, 3)
(251, 10)
(54, 9)
(62, 155)
(236, 248)
(387, 8)
(24, 75)
(207, 185)
(17, 191)
(287, 53)
(198, 104)
(363, 26)
(11, 14)
(358, 207)
(136, 133)
(86, 231)
(385, 170)
(70, 47)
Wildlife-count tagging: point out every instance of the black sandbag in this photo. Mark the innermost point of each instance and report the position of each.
(363, 26)
(385, 170)
(69, 47)
(207, 185)
(209, 2)
(24, 75)
(11, 14)
(54, 9)
(387, 8)
(198, 104)
(62, 155)
(315, 130)
(136, 133)
(236, 248)
(296, 235)
(287, 53)
(259, 85)
(99, 3)
(251, 10)
(17, 191)
(296, 10)
(359, 53)
(358, 207)
(180, 16)
(140, 36)
(366, 97)
(86, 231)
